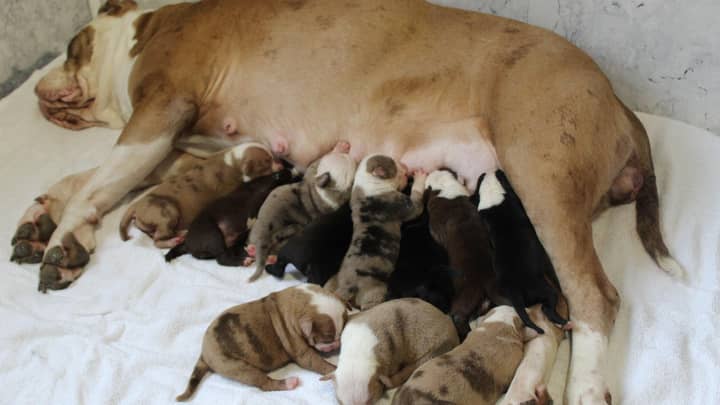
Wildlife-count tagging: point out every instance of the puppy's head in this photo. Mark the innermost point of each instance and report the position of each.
(252, 159)
(335, 171)
(490, 191)
(379, 174)
(322, 321)
(446, 184)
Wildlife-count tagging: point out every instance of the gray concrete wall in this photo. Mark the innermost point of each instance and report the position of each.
(663, 56)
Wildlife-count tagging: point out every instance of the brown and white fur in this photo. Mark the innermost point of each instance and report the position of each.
(479, 370)
(247, 341)
(167, 211)
(381, 347)
(431, 86)
(288, 209)
(379, 208)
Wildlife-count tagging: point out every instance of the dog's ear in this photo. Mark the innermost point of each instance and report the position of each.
(323, 180)
(117, 7)
(306, 326)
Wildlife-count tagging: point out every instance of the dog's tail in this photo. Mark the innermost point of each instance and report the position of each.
(176, 252)
(201, 368)
(647, 206)
(125, 223)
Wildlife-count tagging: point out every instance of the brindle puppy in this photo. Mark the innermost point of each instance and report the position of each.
(249, 340)
(226, 222)
(170, 208)
(378, 208)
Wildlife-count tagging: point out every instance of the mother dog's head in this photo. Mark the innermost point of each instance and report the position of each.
(90, 88)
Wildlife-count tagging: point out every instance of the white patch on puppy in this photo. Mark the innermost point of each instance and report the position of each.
(491, 192)
(503, 313)
(342, 169)
(373, 185)
(356, 364)
(671, 267)
(448, 185)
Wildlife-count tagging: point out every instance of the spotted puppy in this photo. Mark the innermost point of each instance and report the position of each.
(381, 347)
(456, 225)
(288, 209)
(476, 372)
(523, 269)
(378, 210)
(226, 222)
(247, 341)
(166, 212)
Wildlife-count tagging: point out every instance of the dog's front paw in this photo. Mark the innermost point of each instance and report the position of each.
(581, 393)
(32, 234)
(57, 278)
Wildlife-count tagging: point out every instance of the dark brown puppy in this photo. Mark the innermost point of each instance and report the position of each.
(247, 341)
(227, 221)
(456, 225)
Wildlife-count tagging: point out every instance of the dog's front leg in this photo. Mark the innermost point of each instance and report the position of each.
(144, 143)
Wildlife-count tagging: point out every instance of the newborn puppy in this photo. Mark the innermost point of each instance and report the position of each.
(422, 267)
(170, 208)
(523, 269)
(381, 347)
(226, 221)
(318, 250)
(247, 341)
(378, 210)
(288, 209)
(476, 372)
(456, 225)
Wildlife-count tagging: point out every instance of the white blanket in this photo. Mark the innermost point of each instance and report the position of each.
(129, 330)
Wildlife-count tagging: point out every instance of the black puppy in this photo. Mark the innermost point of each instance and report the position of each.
(522, 267)
(319, 249)
(225, 222)
(421, 269)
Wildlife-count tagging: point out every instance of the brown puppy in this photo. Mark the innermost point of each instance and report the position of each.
(249, 340)
(381, 347)
(478, 371)
(456, 226)
(171, 207)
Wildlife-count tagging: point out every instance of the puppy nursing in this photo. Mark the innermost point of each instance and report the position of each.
(247, 341)
(325, 187)
(378, 210)
(169, 209)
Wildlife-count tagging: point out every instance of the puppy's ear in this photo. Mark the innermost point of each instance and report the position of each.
(323, 180)
(306, 325)
(380, 172)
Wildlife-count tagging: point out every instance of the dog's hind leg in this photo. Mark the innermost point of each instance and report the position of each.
(144, 143)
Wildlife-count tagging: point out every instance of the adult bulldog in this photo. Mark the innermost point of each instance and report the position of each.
(428, 85)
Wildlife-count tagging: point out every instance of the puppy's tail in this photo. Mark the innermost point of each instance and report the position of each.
(201, 368)
(519, 305)
(125, 223)
(176, 252)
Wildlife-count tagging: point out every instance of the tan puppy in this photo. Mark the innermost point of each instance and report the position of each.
(476, 372)
(171, 206)
(381, 347)
(249, 340)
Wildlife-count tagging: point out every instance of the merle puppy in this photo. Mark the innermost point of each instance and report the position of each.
(226, 222)
(523, 269)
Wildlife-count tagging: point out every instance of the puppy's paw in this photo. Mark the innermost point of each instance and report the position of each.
(292, 382)
(342, 147)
